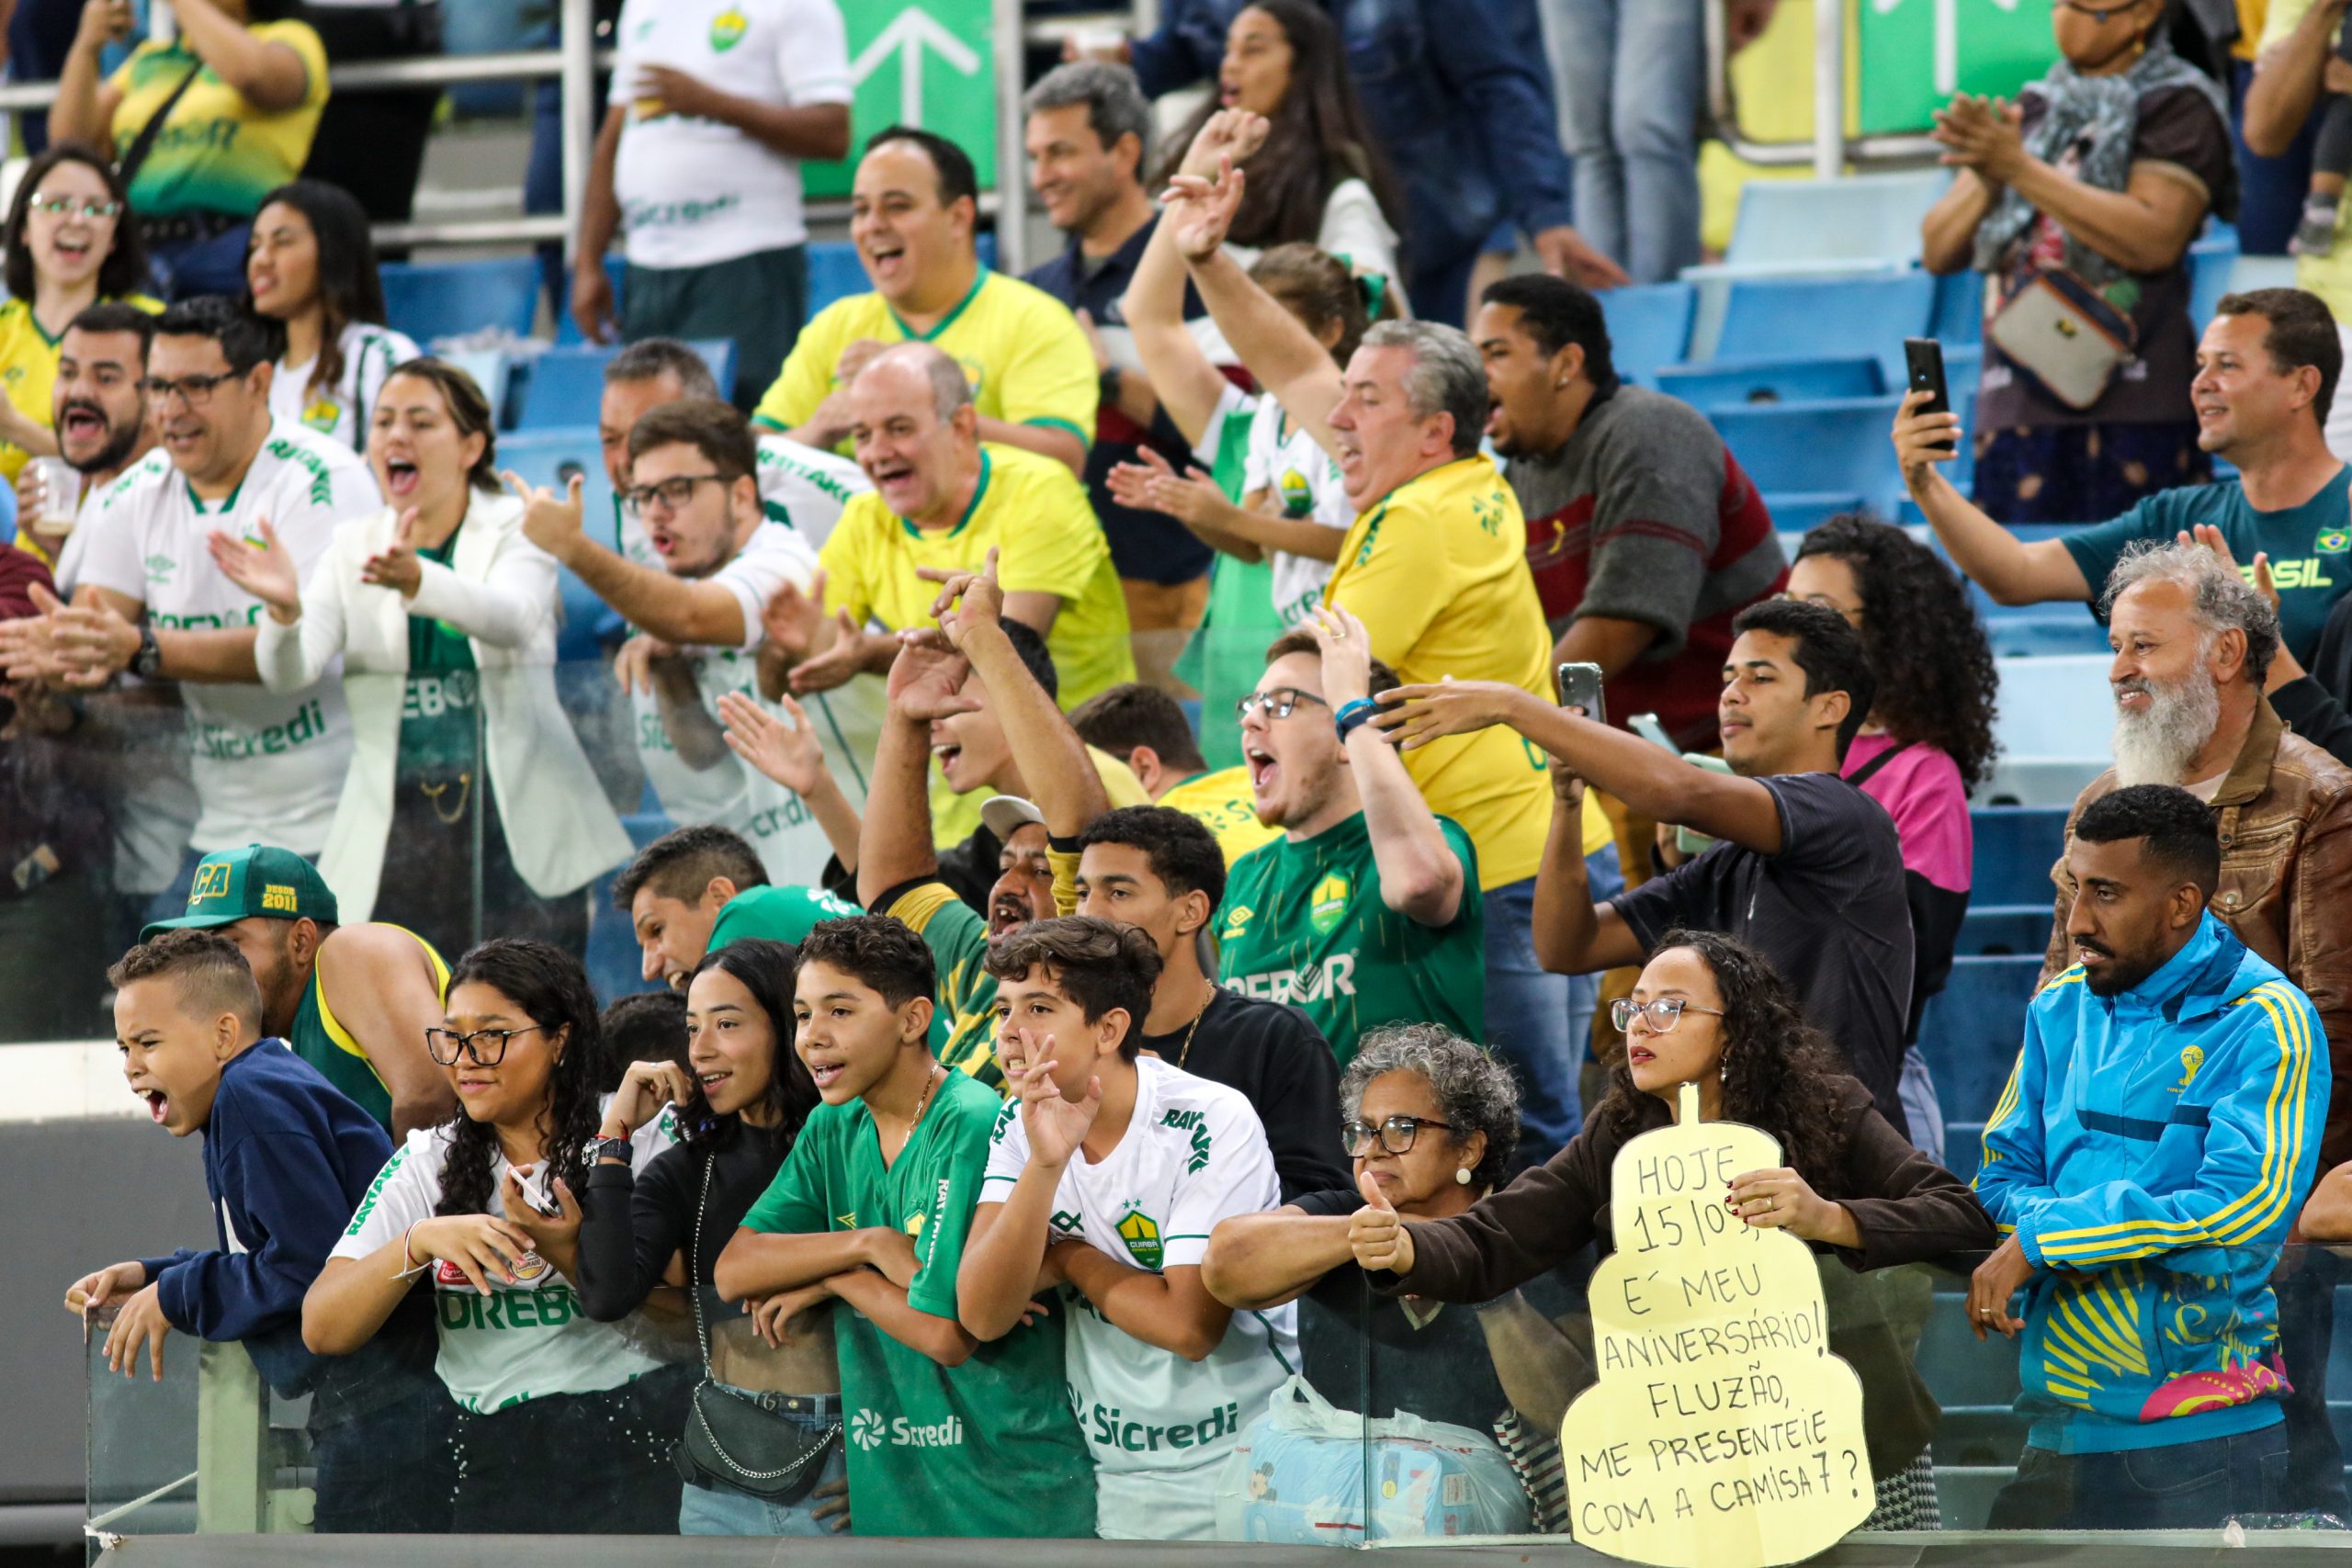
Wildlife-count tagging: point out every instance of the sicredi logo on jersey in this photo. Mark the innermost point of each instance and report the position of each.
(870, 1429)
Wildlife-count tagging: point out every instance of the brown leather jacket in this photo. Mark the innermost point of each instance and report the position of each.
(2286, 811)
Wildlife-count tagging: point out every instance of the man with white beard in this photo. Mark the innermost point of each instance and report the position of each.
(2193, 642)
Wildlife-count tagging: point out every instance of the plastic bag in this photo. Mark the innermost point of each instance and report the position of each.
(1298, 1478)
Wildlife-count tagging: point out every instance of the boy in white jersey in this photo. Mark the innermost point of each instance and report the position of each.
(269, 765)
(693, 485)
(1106, 1174)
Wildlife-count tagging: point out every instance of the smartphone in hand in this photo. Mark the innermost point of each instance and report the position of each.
(1580, 688)
(1923, 362)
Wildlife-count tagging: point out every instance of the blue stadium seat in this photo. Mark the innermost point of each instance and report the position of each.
(2016, 846)
(1828, 445)
(1960, 309)
(1972, 1028)
(551, 457)
(1797, 513)
(2211, 260)
(567, 330)
(1789, 224)
(493, 372)
(1649, 327)
(566, 384)
(1791, 318)
(2053, 732)
(1733, 383)
(2004, 931)
(834, 272)
(438, 299)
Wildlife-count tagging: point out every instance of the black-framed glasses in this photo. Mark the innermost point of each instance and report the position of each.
(445, 1044)
(673, 492)
(1663, 1014)
(64, 205)
(1395, 1134)
(1280, 702)
(194, 390)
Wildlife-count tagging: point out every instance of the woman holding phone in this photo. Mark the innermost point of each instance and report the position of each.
(564, 1426)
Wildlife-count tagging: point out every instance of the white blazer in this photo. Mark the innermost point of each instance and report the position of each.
(500, 591)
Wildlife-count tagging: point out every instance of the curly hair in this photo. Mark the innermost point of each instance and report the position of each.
(1475, 1092)
(1936, 679)
(764, 968)
(1776, 1066)
(548, 985)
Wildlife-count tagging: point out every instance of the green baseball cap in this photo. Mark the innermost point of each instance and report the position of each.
(259, 879)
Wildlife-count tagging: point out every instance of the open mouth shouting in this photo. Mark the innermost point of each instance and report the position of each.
(887, 261)
(400, 478)
(159, 1104)
(1263, 768)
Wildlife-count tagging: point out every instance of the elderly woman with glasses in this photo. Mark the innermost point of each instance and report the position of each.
(1710, 1011)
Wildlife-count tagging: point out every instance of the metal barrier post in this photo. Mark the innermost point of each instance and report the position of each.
(1828, 88)
(231, 1442)
(576, 40)
(1012, 155)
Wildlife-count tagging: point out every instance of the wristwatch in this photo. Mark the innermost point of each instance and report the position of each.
(1106, 386)
(601, 1150)
(149, 658)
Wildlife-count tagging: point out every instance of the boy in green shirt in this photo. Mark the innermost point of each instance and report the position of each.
(946, 1436)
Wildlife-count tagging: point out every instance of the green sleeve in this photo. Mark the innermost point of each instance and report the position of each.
(2095, 549)
(794, 1204)
(955, 1174)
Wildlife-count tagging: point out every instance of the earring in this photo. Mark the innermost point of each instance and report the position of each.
(1462, 1176)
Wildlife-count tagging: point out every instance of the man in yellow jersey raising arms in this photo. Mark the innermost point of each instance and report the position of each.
(913, 209)
(354, 1001)
(1435, 566)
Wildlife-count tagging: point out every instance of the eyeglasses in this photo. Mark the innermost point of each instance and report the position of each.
(1280, 702)
(446, 1043)
(194, 390)
(673, 492)
(1663, 1014)
(1395, 1134)
(64, 205)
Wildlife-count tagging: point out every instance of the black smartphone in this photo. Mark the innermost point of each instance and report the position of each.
(1923, 360)
(1580, 688)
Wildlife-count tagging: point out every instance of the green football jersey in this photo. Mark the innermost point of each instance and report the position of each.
(1304, 923)
(986, 1449)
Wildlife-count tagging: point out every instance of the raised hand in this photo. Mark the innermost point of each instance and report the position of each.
(1347, 655)
(793, 617)
(1056, 1126)
(549, 1234)
(1230, 133)
(633, 665)
(789, 753)
(1375, 1236)
(89, 642)
(550, 521)
(926, 680)
(1202, 208)
(397, 567)
(261, 565)
(1193, 497)
(1922, 440)
(967, 599)
(645, 1088)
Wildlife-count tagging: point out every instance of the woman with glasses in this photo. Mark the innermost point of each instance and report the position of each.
(1429, 1120)
(564, 1426)
(442, 615)
(70, 244)
(738, 1105)
(1710, 1011)
(313, 266)
(1928, 741)
(2077, 203)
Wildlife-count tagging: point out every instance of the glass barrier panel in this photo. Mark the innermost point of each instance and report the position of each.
(141, 1455)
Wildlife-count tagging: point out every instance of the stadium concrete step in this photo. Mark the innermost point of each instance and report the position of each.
(1969, 1031)
(1649, 327)
(1816, 445)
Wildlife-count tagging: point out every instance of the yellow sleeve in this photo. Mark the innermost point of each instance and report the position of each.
(1396, 582)
(1053, 542)
(808, 373)
(1065, 865)
(843, 557)
(304, 41)
(1048, 376)
(2284, 17)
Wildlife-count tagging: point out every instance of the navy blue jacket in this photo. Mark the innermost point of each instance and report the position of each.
(1457, 93)
(288, 1157)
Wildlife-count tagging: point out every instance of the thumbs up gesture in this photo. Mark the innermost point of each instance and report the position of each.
(1377, 1237)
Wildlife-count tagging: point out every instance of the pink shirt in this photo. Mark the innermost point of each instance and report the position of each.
(1920, 788)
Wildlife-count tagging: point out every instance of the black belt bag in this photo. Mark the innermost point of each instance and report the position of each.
(736, 1442)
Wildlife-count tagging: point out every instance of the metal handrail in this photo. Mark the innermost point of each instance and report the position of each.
(1829, 148)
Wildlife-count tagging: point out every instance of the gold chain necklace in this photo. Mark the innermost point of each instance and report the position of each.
(929, 1082)
(1185, 1054)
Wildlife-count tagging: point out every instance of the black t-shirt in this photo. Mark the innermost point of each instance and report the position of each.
(1280, 1061)
(1828, 912)
(632, 1225)
(1440, 1371)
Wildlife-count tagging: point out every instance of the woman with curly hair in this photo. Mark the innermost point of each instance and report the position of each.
(1929, 742)
(564, 1426)
(1710, 1011)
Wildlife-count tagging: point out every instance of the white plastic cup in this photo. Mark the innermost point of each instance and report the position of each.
(61, 494)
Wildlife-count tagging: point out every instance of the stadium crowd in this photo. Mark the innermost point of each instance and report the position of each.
(1142, 745)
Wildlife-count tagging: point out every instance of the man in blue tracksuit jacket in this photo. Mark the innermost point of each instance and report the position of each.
(2155, 1144)
(288, 1157)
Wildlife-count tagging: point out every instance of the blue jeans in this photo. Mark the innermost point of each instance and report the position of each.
(1631, 79)
(185, 269)
(1538, 1022)
(2181, 1486)
(713, 1510)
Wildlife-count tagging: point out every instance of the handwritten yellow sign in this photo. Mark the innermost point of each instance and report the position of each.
(1721, 1433)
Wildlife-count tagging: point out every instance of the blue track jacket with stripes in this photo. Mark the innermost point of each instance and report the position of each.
(2150, 1152)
